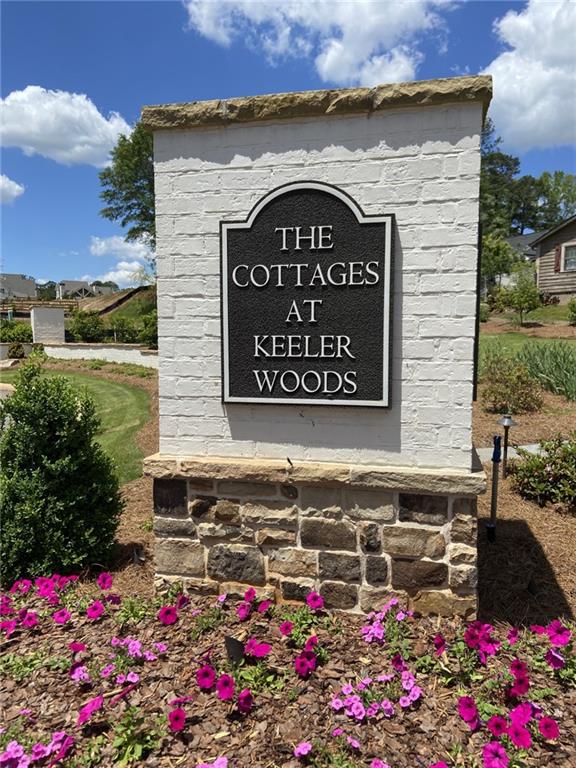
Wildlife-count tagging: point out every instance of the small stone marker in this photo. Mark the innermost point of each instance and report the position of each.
(47, 325)
(317, 268)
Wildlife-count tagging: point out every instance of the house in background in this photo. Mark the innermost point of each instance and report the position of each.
(17, 287)
(556, 260)
(73, 289)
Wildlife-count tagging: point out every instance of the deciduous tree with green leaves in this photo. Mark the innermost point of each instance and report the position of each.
(128, 186)
(498, 257)
(524, 296)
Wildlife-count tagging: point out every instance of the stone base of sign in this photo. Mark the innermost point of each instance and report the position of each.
(355, 534)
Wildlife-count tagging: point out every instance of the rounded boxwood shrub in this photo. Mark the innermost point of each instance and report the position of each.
(59, 496)
(15, 351)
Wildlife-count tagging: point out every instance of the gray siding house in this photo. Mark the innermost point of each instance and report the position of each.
(17, 287)
(556, 260)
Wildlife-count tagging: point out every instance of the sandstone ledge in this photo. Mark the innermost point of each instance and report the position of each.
(405, 479)
(303, 104)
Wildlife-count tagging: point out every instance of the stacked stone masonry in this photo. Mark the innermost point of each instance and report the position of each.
(355, 546)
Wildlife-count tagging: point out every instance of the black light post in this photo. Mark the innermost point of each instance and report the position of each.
(506, 421)
(491, 526)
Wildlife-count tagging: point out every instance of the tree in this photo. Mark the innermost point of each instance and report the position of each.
(497, 257)
(524, 296)
(47, 291)
(497, 172)
(557, 198)
(107, 284)
(128, 186)
(526, 212)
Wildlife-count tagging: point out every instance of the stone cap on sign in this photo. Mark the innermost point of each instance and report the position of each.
(405, 479)
(302, 104)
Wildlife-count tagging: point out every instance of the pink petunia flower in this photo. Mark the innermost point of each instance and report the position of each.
(256, 649)
(177, 719)
(521, 714)
(95, 610)
(558, 634)
(377, 763)
(76, 647)
(548, 728)
(439, 644)
(518, 668)
(337, 732)
(264, 606)
(243, 610)
(467, 708)
(513, 635)
(555, 659)
(167, 615)
(519, 736)
(29, 620)
(225, 687)
(205, 677)
(440, 764)
(62, 616)
(302, 749)
(88, 710)
(521, 686)
(250, 595)
(494, 755)
(105, 581)
(286, 628)
(315, 601)
(354, 743)
(497, 726)
(245, 701)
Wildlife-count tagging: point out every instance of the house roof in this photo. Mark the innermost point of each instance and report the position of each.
(553, 230)
(74, 285)
(522, 244)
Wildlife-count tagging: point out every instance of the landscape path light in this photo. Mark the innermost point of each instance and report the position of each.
(506, 421)
(491, 525)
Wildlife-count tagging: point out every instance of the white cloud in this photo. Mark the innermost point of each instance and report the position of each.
(9, 189)
(534, 101)
(124, 273)
(118, 247)
(363, 42)
(66, 127)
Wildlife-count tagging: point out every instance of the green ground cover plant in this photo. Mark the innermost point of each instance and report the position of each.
(549, 477)
(59, 496)
(122, 411)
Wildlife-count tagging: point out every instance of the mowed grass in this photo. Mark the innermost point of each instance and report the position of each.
(513, 342)
(122, 409)
(546, 315)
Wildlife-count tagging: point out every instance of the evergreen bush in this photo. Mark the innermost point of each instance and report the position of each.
(149, 332)
(572, 311)
(59, 496)
(509, 387)
(87, 326)
(549, 476)
(12, 330)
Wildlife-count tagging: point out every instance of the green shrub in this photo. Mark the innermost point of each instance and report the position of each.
(124, 331)
(87, 326)
(12, 330)
(498, 299)
(549, 476)
(524, 296)
(149, 332)
(553, 365)
(484, 312)
(572, 311)
(59, 496)
(16, 351)
(509, 387)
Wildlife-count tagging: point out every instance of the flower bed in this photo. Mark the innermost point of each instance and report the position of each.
(97, 679)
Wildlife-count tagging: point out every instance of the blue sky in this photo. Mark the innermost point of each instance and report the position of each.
(101, 58)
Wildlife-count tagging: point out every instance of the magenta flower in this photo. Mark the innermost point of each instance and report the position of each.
(243, 610)
(245, 701)
(521, 714)
(286, 628)
(76, 647)
(354, 743)
(8, 626)
(225, 687)
(440, 764)
(494, 755)
(95, 610)
(29, 620)
(301, 666)
(167, 615)
(264, 606)
(62, 616)
(105, 581)
(558, 634)
(205, 677)
(497, 726)
(88, 710)
(315, 601)
(302, 749)
(177, 719)
(548, 728)
(250, 595)
(555, 659)
(513, 635)
(518, 668)
(256, 649)
(337, 732)
(521, 686)
(311, 643)
(439, 644)
(467, 709)
(537, 629)
(519, 736)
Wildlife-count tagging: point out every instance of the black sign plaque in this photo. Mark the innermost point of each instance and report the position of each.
(306, 300)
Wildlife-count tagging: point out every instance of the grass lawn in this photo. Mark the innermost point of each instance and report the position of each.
(546, 315)
(134, 309)
(123, 410)
(512, 342)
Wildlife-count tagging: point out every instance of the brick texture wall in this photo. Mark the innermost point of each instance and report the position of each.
(421, 164)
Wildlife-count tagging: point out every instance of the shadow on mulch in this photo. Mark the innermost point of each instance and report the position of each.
(517, 584)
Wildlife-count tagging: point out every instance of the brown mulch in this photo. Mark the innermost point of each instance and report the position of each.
(300, 710)
(557, 416)
(558, 330)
